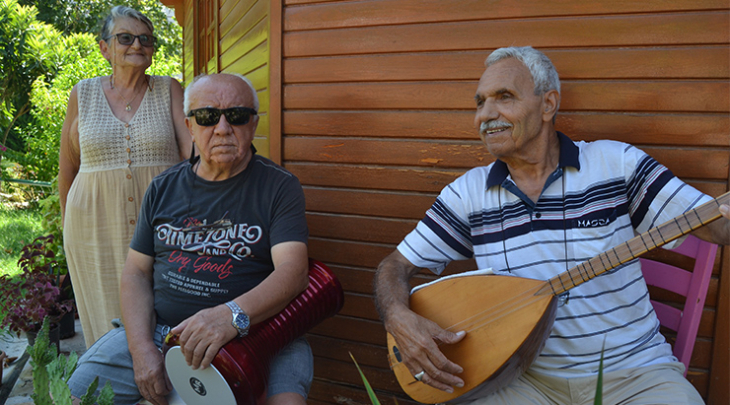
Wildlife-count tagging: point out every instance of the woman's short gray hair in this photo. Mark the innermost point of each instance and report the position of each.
(122, 12)
(541, 68)
(186, 100)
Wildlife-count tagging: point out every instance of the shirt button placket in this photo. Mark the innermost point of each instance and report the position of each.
(128, 143)
(129, 188)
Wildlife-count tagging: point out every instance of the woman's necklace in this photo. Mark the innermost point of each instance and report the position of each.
(128, 106)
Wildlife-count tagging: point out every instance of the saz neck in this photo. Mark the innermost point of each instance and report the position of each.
(633, 248)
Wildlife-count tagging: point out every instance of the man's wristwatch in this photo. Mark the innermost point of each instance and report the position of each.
(240, 319)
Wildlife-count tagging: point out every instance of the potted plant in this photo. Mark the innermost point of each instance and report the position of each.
(34, 294)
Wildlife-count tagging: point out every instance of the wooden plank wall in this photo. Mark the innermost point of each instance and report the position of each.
(377, 110)
(186, 19)
(241, 45)
(244, 45)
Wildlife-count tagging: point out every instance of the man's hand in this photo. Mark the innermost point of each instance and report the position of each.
(203, 334)
(718, 231)
(418, 339)
(139, 323)
(150, 376)
(416, 336)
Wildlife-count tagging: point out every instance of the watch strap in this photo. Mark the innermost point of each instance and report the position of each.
(234, 307)
(236, 311)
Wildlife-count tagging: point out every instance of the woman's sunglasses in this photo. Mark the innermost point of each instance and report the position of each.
(128, 39)
(207, 117)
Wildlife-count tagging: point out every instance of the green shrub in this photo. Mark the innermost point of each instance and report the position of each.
(51, 372)
(81, 60)
(53, 225)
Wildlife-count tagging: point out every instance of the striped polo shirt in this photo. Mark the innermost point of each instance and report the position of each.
(602, 194)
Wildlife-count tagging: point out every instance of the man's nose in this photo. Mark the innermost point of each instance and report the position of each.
(223, 127)
(485, 113)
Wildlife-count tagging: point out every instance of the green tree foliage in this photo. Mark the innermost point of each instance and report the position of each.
(28, 50)
(85, 16)
(71, 16)
(49, 101)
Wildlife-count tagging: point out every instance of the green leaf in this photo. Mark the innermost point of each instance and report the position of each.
(369, 389)
(57, 372)
(106, 396)
(41, 355)
(88, 398)
(599, 384)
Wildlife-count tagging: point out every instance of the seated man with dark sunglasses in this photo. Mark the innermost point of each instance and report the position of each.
(220, 245)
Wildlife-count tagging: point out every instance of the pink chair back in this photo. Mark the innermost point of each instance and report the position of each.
(692, 285)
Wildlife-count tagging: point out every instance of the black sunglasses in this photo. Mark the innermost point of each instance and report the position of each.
(207, 117)
(128, 39)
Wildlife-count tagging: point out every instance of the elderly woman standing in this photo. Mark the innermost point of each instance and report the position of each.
(120, 131)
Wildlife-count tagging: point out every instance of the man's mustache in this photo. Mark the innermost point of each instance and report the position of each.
(489, 125)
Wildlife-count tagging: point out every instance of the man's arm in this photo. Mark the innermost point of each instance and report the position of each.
(137, 300)
(203, 334)
(417, 337)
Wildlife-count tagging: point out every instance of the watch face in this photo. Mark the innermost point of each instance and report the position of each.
(242, 323)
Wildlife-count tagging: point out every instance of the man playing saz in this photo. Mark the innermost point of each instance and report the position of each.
(548, 204)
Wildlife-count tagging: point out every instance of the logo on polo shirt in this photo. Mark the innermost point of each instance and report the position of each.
(593, 223)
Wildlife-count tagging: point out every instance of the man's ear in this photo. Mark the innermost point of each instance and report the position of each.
(550, 103)
(189, 124)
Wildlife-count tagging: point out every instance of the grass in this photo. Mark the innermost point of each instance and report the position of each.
(18, 227)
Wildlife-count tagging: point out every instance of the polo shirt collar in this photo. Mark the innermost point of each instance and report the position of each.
(569, 156)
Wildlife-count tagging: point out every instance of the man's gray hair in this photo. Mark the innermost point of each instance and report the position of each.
(541, 68)
(186, 100)
(122, 12)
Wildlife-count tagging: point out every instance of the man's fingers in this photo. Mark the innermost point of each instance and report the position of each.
(441, 362)
(198, 355)
(725, 211)
(161, 391)
(450, 337)
(419, 342)
(442, 371)
(203, 354)
(150, 393)
(180, 328)
(158, 399)
(427, 379)
(210, 354)
(168, 383)
(194, 350)
(425, 356)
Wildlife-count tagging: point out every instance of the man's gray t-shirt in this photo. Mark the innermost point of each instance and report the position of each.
(211, 240)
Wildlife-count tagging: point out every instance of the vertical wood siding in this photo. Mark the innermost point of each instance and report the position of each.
(244, 32)
(187, 21)
(377, 108)
(230, 36)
